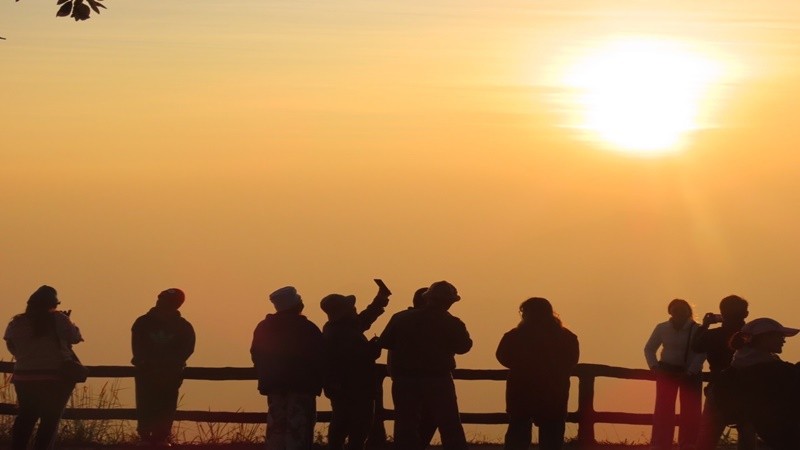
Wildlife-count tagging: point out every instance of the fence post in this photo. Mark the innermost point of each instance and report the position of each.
(586, 419)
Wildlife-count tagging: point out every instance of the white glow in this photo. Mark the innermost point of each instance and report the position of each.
(642, 96)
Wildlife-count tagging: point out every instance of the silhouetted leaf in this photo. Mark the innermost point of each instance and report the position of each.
(95, 5)
(80, 11)
(65, 9)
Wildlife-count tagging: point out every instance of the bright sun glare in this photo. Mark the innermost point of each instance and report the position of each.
(642, 96)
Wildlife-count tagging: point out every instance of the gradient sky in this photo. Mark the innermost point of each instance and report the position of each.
(231, 148)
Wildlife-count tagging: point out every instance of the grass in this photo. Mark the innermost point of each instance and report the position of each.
(103, 431)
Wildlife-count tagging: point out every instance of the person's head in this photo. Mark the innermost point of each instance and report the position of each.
(733, 309)
(419, 298)
(337, 306)
(679, 310)
(287, 300)
(440, 294)
(764, 334)
(171, 298)
(43, 299)
(538, 310)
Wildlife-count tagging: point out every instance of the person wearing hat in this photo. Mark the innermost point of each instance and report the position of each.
(427, 426)
(287, 354)
(760, 387)
(350, 370)
(162, 341)
(40, 340)
(424, 343)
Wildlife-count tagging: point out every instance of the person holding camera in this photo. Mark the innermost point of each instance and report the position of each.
(677, 373)
(350, 369)
(41, 341)
(715, 343)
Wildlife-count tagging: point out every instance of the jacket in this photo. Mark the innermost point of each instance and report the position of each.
(40, 354)
(424, 342)
(162, 340)
(287, 352)
(349, 357)
(540, 362)
(765, 391)
(676, 347)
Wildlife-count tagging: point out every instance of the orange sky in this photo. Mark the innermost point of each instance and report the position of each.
(230, 149)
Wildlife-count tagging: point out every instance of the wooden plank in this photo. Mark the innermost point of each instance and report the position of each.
(248, 373)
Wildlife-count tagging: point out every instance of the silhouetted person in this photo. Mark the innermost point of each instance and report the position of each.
(677, 373)
(162, 341)
(427, 426)
(287, 352)
(714, 343)
(541, 355)
(350, 369)
(764, 389)
(40, 340)
(424, 343)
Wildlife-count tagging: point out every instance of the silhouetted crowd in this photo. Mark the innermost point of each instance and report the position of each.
(750, 387)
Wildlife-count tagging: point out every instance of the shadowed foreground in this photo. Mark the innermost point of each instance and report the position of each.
(567, 446)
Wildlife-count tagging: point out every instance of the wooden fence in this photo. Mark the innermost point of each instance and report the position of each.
(585, 416)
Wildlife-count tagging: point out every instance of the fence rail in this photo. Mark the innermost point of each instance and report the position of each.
(585, 416)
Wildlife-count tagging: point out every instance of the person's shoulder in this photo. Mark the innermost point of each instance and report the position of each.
(17, 319)
(16, 322)
(141, 320)
(405, 316)
(186, 324)
(568, 334)
(308, 324)
(264, 323)
(400, 314)
(451, 318)
(511, 334)
(661, 326)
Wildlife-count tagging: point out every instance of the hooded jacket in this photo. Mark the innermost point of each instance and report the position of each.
(287, 352)
(162, 339)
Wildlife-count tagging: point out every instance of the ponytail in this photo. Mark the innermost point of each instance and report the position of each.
(739, 340)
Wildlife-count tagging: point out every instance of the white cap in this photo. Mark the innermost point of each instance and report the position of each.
(765, 325)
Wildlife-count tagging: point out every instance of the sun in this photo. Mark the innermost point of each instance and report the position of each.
(642, 96)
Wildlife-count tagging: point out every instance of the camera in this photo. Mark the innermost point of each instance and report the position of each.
(713, 318)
